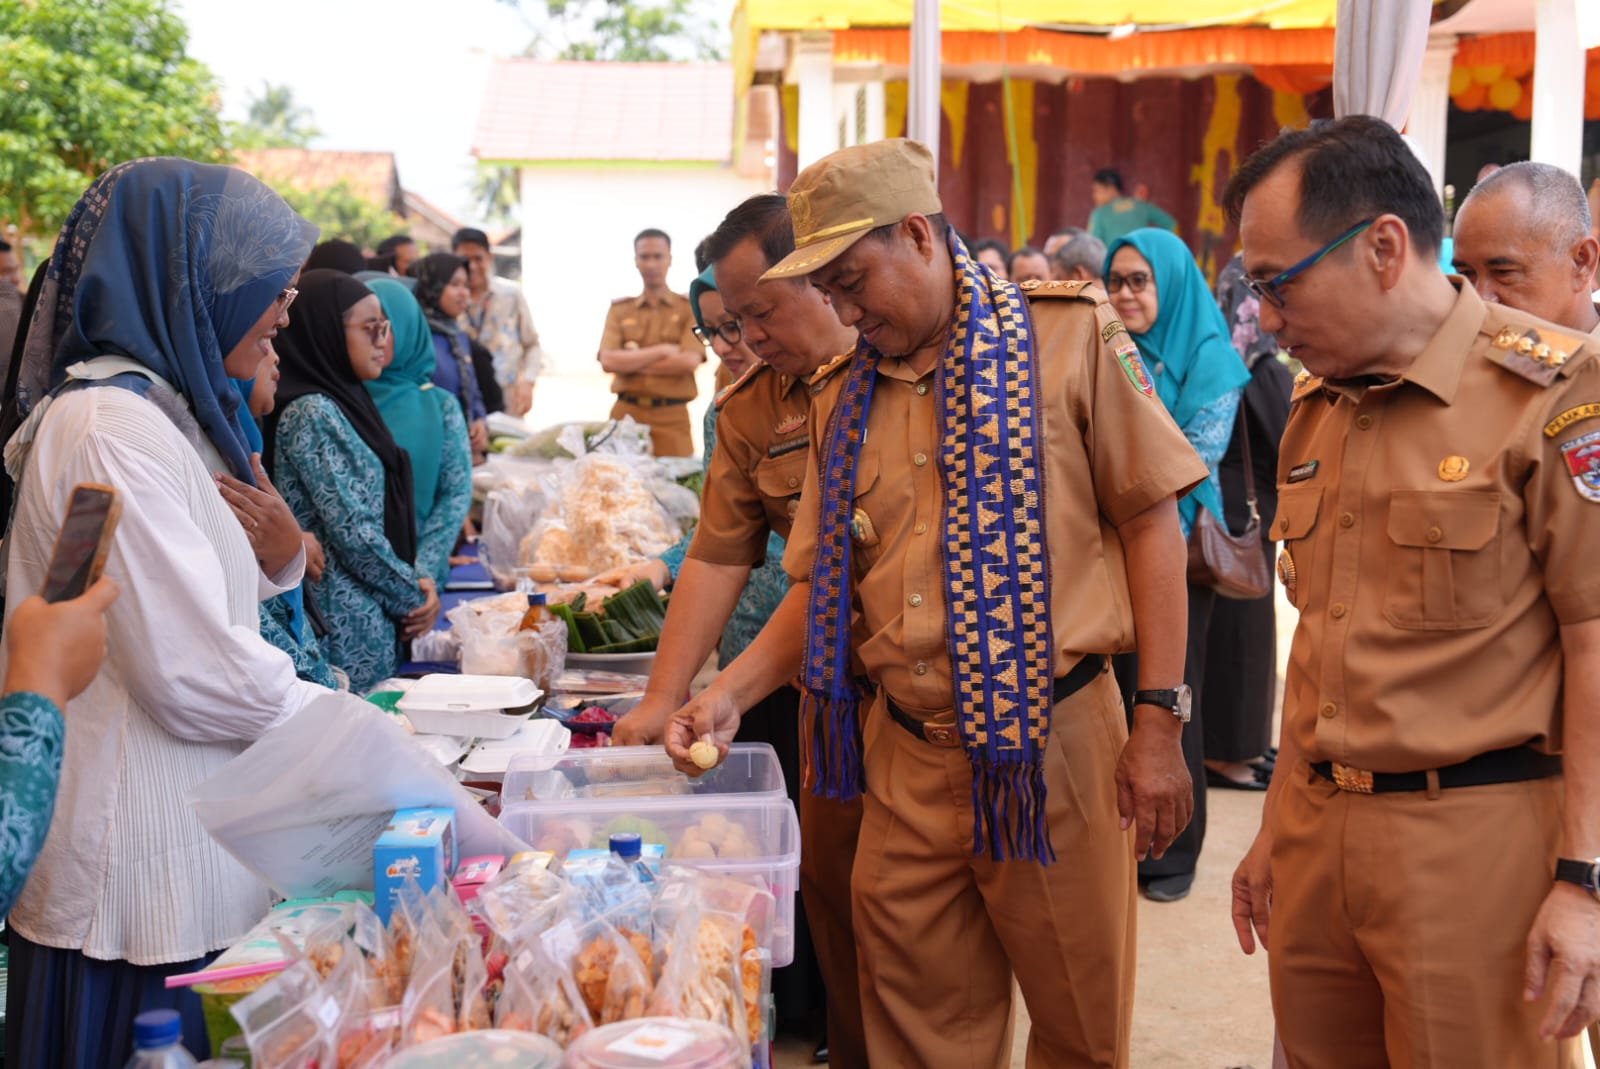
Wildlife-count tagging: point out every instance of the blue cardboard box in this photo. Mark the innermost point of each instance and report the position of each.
(418, 842)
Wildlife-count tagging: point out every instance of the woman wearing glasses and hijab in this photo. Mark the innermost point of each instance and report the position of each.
(330, 452)
(1162, 298)
(168, 277)
(426, 422)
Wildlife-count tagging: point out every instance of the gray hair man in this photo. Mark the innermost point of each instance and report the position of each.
(1079, 260)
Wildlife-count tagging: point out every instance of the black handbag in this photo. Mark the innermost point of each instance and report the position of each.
(1233, 565)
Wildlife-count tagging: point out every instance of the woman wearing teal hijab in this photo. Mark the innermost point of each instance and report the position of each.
(1162, 298)
(427, 423)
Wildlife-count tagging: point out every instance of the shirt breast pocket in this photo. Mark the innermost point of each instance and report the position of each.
(1296, 519)
(1444, 566)
(783, 476)
(866, 535)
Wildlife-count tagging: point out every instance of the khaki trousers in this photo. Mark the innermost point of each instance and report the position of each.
(669, 427)
(940, 931)
(1399, 925)
(828, 833)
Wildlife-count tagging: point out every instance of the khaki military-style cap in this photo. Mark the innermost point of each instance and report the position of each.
(840, 198)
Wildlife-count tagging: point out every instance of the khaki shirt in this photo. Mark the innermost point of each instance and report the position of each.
(1435, 539)
(1110, 452)
(638, 323)
(758, 466)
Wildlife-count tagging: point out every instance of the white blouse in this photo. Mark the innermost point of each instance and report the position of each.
(127, 872)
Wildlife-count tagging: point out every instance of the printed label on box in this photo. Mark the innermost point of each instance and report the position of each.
(657, 1042)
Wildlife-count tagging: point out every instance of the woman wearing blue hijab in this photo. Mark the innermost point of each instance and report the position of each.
(167, 276)
(1162, 298)
(427, 423)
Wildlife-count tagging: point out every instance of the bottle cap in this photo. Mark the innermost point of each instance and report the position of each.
(627, 846)
(157, 1028)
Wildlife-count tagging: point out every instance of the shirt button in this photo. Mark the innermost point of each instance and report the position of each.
(922, 388)
(1363, 422)
(1283, 524)
(921, 528)
(1434, 534)
(1347, 520)
(915, 600)
(1338, 611)
(920, 459)
(921, 668)
(793, 481)
(1330, 710)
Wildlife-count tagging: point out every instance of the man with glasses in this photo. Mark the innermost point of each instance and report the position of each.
(650, 350)
(753, 488)
(1438, 508)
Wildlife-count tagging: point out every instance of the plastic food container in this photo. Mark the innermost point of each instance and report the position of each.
(626, 663)
(537, 744)
(736, 822)
(481, 1050)
(487, 707)
(657, 1043)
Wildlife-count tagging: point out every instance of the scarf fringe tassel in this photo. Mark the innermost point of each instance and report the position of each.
(1009, 818)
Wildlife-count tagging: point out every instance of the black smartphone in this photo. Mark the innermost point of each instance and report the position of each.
(84, 541)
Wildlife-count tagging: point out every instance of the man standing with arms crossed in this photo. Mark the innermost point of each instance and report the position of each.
(987, 736)
(753, 488)
(1437, 507)
(651, 351)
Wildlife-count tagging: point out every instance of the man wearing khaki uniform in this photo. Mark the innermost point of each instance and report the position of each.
(1438, 510)
(650, 348)
(1003, 808)
(753, 488)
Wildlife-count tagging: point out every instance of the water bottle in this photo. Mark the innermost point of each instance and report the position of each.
(158, 1042)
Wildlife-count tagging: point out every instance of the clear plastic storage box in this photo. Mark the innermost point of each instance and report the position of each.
(735, 821)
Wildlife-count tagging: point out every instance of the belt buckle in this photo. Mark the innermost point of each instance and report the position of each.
(1354, 780)
(941, 734)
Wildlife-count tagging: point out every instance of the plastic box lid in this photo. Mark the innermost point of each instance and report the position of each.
(469, 694)
(633, 772)
(482, 1050)
(538, 743)
(657, 1043)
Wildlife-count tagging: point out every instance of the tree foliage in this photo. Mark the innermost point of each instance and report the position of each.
(496, 192)
(632, 31)
(85, 84)
(274, 120)
(341, 212)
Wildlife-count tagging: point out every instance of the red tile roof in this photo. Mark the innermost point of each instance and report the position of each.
(535, 110)
(370, 175)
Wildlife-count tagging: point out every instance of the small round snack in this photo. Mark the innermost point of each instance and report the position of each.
(703, 754)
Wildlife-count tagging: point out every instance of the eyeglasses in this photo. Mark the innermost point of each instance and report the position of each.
(286, 297)
(377, 330)
(1135, 282)
(731, 332)
(1271, 289)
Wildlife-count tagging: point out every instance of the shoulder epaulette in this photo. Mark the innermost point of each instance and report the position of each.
(1534, 351)
(1034, 289)
(1304, 383)
(822, 374)
(724, 394)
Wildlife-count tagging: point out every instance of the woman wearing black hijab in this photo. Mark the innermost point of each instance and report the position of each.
(443, 293)
(331, 454)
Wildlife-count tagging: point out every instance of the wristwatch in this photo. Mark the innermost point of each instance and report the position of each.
(1586, 874)
(1179, 700)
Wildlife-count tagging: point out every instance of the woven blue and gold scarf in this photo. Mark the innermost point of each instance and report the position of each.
(996, 568)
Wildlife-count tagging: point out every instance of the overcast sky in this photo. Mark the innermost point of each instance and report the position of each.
(405, 76)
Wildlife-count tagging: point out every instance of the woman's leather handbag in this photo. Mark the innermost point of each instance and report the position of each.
(1234, 565)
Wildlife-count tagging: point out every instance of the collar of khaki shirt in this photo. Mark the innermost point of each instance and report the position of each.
(1437, 368)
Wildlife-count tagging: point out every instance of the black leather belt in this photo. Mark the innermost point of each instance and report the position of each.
(1513, 765)
(651, 402)
(1064, 687)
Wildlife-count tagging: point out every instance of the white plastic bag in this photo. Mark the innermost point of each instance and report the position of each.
(302, 807)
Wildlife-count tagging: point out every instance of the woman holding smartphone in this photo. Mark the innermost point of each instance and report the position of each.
(167, 277)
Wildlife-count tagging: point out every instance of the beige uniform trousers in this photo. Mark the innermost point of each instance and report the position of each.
(1400, 922)
(941, 931)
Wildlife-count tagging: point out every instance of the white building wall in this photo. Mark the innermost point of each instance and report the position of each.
(578, 225)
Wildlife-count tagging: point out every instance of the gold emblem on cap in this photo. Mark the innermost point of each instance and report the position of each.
(800, 213)
(1454, 469)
